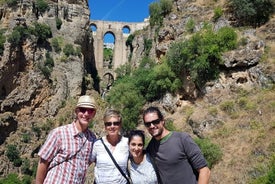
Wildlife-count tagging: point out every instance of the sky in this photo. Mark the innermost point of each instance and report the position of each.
(120, 10)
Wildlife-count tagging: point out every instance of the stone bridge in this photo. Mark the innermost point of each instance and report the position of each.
(120, 56)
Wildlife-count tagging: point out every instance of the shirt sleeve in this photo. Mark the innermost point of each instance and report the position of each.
(50, 147)
(193, 152)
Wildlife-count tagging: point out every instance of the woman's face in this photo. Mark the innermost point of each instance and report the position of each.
(112, 126)
(136, 146)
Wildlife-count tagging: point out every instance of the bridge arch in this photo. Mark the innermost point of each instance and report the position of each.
(120, 31)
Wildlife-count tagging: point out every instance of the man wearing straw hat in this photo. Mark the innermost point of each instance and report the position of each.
(65, 156)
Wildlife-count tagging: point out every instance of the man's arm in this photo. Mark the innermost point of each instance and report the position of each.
(204, 175)
(41, 171)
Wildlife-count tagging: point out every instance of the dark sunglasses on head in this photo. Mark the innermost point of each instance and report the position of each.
(117, 123)
(154, 122)
(83, 110)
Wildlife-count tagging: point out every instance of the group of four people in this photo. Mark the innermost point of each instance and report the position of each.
(170, 157)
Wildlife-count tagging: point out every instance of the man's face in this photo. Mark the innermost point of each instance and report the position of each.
(154, 125)
(85, 115)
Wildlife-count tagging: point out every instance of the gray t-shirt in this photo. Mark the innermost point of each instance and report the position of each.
(177, 157)
(144, 172)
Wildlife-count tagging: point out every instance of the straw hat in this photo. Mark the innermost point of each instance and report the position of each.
(86, 102)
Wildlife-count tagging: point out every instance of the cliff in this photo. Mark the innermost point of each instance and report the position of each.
(40, 82)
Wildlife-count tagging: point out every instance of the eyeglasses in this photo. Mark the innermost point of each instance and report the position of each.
(83, 110)
(117, 123)
(154, 122)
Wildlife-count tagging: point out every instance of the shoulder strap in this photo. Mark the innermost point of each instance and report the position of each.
(113, 159)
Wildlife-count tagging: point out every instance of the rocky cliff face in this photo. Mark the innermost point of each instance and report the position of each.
(32, 103)
(27, 97)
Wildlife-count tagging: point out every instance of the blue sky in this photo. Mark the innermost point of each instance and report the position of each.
(120, 10)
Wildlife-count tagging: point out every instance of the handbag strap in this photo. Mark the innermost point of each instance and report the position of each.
(113, 159)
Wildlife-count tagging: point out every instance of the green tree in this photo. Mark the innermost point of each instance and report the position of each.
(42, 32)
(211, 152)
(200, 56)
(166, 7)
(18, 35)
(251, 12)
(125, 97)
(13, 155)
(42, 6)
(155, 14)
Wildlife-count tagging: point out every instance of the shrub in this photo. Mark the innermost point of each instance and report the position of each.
(12, 152)
(11, 3)
(200, 56)
(56, 44)
(11, 179)
(190, 25)
(228, 107)
(13, 155)
(217, 13)
(42, 6)
(26, 167)
(211, 152)
(2, 42)
(155, 14)
(69, 50)
(251, 12)
(18, 34)
(42, 31)
(124, 96)
(26, 137)
(169, 125)
(58, 23)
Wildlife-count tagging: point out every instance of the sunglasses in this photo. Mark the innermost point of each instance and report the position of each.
(83, 110)
(154, 122)
(117, 123)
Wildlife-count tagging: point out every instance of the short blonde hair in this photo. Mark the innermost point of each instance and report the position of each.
(112, 113)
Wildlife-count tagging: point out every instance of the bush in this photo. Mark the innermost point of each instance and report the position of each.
(251, 12)
(158, 10)
(2, 42)
(26, 137)
(18, 35)
(211, 152)
(69, 50)
(13, 155)
(42, 6)
(12, 152)
(190, 25)
(124, 96)
(200, 56)
(217, 13)
(155, 14)
(42, 31)
(11, 179)
(11, 3)
(56, 44)
(58, 23)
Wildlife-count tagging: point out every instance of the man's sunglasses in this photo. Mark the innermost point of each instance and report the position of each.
(154, 122)
(117, 123)
(83, 110)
